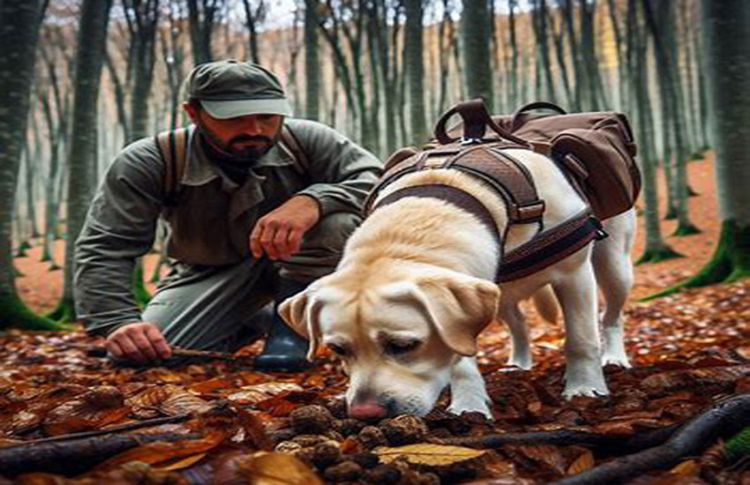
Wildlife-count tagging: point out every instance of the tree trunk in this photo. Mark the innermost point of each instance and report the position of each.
(539, 21)
(727, 35)
(19, 33)
(82, 158)
(201, 18)
(312, 68)
(414, 62)
(475, 35)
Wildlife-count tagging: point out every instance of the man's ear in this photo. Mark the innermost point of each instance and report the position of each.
(191, 108)
(458, 306)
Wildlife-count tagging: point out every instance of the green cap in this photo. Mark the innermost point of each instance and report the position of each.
(228, 89)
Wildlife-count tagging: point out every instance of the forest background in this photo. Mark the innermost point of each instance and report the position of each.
(92, 76)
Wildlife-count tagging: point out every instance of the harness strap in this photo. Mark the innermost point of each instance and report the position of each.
(446, 193)
(549, 247)
(508, 177)
(173, 146)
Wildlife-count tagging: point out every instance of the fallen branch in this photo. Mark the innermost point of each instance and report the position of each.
(608, 444)
(176, 352)
(146, 423)
(721, 420)
(75, 456)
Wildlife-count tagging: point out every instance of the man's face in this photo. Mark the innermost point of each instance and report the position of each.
(246, 137)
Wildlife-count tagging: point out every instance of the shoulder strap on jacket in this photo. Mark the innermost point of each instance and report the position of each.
(173, 146)
(290, 143)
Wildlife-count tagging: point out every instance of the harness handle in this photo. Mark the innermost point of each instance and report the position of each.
(537, 105)
(476, 120)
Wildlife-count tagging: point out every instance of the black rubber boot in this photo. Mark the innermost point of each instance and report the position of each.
(285, 351)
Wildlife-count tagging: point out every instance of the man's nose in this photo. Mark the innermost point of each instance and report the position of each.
(252, 127)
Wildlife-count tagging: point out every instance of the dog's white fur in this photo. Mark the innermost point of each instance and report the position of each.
(421, 270)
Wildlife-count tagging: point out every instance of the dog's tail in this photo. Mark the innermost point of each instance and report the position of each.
(546, 303)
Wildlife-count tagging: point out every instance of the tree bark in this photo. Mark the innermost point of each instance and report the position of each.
(19, 34)
(312, 68)
(414, 62)
(83, 148)
(475, 35)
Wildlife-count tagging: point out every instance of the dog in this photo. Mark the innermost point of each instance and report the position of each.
(415, 287)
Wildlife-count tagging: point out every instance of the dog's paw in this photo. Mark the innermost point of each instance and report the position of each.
(461, 406)
(522, 361)
(585, 390)
(616, 358)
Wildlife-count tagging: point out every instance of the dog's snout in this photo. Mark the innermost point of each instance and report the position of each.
(368, 410)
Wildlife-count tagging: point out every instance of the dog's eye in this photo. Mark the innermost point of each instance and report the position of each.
(338, 350)
(401, 347)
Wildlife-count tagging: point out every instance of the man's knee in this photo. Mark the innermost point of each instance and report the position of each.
(332, 231)
(321, 247)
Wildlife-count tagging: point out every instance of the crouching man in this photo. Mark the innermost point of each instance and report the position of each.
(254, 216)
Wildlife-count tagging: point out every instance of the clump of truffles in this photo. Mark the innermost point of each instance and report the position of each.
(312, 419)
(404, 429)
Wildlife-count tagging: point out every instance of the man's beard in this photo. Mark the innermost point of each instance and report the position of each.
(236, 148)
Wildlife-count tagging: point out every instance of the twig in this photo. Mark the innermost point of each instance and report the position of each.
(721, 420)
(115, 429)
(605, 443)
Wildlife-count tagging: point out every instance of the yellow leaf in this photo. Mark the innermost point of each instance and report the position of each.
(687, 468)
(582, 463)
(180, 464)
(260, 392)
(428, 454)
(277, 469)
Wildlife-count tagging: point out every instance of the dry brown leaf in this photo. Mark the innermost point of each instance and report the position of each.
(547, 455)
(254, 394)
(170, 400)
(181, 464)
(428, 454)
(582, 463)
(688, 468)
(264, 468)
(163, 452)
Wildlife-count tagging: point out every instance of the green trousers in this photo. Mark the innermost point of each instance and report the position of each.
(222, 308)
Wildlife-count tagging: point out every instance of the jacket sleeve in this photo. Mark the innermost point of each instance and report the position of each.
(120, 226)
(342, 172)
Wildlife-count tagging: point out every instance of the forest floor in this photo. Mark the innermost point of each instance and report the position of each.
(689, 351)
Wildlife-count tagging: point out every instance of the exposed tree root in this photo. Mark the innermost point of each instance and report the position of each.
(607, 444)
(719, 421)
(686, 229)
(75, 456)
(64, 312)
(13, 313)
(730, 262)
(656, 255)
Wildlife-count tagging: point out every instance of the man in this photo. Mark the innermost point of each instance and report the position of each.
(248, 226)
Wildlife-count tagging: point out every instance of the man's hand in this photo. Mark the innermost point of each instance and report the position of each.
(140, 342)
(279, 233)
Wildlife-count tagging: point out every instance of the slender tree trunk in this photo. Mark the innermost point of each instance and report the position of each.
(726, 33)
(514, 92)
(544, 74)
(19, 33)
(578, 68)
(312, 67)
(475, 35)
(414, 63)
(82, 159)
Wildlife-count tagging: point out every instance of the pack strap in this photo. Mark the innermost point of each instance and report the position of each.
(550, 246)
(447, 193)
(173, 146)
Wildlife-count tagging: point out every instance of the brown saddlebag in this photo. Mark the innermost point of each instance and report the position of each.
(595, 150)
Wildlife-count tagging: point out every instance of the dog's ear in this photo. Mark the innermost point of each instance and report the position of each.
(459, 306)
(302, 313)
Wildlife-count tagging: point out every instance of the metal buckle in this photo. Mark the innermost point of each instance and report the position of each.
(470, 141)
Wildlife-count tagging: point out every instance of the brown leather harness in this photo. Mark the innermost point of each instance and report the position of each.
(509, 178)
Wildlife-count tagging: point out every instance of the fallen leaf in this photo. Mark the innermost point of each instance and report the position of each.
(582, 463)
(428, 454)
(264, 468)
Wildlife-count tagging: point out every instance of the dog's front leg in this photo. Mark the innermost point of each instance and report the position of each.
(520, 353)
(468, 392)
(577, 294)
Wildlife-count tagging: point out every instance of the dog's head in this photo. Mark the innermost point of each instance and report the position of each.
(398, 339)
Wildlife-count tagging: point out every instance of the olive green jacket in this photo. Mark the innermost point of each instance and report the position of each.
(211, 221)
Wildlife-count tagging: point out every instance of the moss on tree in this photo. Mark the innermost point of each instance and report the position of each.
(656, 255)
(14, 314)
(730, 262)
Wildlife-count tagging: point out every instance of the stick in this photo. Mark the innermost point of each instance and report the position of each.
(176, 352)
(721, 420)
(564, 437)
(115, 429)
(75, 456)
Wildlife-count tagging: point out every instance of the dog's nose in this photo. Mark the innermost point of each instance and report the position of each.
(367, 410)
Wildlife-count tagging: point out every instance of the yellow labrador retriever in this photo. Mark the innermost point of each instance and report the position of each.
(415, 288)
